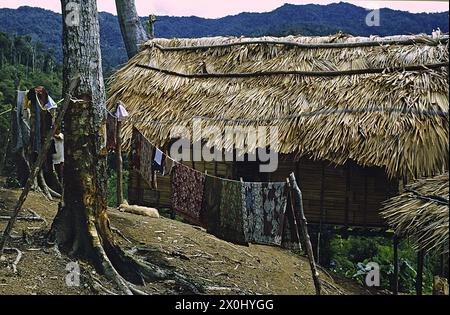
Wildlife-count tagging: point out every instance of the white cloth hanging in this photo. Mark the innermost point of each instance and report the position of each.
(51, 104)
(158, 156)
(121, 113)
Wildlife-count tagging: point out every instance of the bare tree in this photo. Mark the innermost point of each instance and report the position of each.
(133, 32)
(81, 227)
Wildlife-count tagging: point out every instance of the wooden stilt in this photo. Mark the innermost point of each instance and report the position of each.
(38, 165)
(119, 160)
(304, 227)
(419, 278)
(396, 266)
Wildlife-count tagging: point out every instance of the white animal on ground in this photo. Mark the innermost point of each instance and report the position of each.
(144, 211)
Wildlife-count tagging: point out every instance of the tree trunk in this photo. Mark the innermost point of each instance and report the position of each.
(133, 32)
(84, 205)
(81, 227)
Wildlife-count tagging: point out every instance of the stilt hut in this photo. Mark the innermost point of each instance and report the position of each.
(356, 117)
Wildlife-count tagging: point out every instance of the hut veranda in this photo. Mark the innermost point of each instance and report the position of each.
(357, 118)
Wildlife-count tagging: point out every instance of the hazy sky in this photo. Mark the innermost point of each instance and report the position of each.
(219, 8)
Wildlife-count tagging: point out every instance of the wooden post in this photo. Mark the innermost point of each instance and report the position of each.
(38, 165)
(419, 278)
(396, 266)
(304, 226)
(296, 229)
(119, 159)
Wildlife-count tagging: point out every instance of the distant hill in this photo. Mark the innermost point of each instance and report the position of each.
(45, 26)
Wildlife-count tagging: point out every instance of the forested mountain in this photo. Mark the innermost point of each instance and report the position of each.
(44, 26)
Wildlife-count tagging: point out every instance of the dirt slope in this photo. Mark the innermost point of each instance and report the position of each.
(222, 267)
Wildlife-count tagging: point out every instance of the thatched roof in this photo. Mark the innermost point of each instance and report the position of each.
(393, 118)
(421, 213)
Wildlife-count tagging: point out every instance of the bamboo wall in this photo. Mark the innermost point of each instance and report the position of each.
(348, 195)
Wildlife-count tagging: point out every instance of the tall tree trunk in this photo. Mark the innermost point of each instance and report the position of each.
(81, 227)
(133, 32)
(84, 205)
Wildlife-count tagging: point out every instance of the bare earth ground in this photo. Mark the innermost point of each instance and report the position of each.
(223, 268)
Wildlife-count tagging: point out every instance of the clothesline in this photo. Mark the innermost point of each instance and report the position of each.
(234, 211)
(199, 172)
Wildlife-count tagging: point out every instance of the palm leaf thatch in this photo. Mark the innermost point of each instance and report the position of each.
(390, 118)
(421, 213)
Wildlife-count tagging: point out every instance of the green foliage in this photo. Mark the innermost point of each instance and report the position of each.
(112, 180)
(350, 256)
(112, 190)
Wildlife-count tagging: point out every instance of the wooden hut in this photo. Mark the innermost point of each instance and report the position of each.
(356, 116)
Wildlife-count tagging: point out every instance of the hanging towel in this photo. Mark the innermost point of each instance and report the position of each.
(211, 204)
(158, 156)
(290, 237)
(135, 152)
(141, 156)
(121, 113)
(187, 193)
(158, 161)
(264, 212)
(231, 227)
(146, 153)
(51, 104)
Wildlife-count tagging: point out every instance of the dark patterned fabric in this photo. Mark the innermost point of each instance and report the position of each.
(290, 237)
(231, 215)
(211, 204)
(264, 211)
(141, 156)
(146, 160)
(187, 193)
(135, 152)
